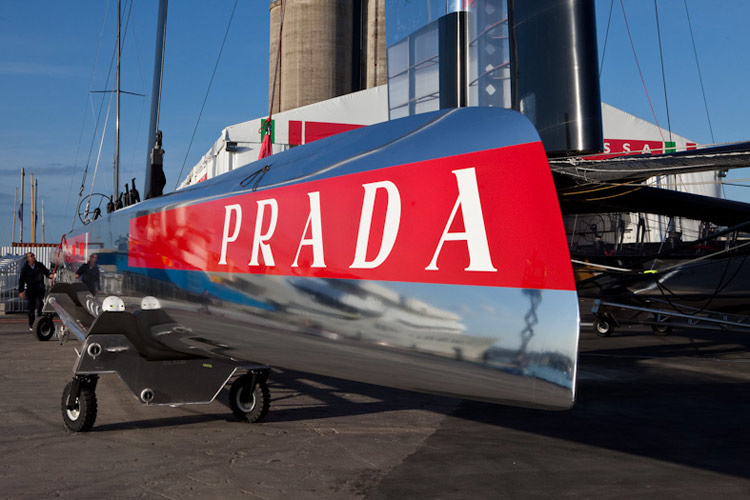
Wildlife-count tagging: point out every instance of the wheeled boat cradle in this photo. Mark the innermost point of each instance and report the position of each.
(151, 354)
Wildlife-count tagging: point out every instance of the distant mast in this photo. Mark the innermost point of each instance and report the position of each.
(20, 209)
(33, 215)
(36, 196)
(43, 222)
(15, 212)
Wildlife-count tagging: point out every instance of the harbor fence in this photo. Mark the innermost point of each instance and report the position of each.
(12, 260)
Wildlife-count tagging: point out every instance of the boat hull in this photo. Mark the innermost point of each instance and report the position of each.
(425, 254)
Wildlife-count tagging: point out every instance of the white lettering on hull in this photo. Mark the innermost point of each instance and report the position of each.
(260, 239)
(316, 233)
(225, 238)
(474, 233)
(468, 201)
(390, 228)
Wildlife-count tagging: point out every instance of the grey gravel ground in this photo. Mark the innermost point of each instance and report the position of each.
(655, 417)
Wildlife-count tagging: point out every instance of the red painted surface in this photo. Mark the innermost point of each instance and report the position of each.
(320, 130)
(295, 132)
(524, 229)
(315, 130)
(74, 249)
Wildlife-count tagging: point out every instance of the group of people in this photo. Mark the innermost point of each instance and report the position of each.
(31, 284)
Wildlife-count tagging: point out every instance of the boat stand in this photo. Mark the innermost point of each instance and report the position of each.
(609, 315)
(147, 351)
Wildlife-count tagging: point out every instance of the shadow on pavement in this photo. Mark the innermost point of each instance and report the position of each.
(687, 417)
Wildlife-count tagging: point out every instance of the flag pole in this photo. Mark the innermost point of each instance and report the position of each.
(36, 212)
(20, 209)
(15, 209)
(42, 221)
(33, 229)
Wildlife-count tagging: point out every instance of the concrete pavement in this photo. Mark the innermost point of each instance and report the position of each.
(655, 416)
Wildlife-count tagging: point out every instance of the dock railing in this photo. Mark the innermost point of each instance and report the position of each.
(10, 268)
(11, 261)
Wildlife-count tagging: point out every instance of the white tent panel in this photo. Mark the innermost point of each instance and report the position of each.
(239, 145)
(291, 128)
(624, 129)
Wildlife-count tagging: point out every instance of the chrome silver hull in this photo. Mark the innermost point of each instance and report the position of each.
(504, 344)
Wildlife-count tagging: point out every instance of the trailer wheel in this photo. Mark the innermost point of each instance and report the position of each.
(82, 415)
(43, 327)
(249, 404)
(662, 329)
(604, 326)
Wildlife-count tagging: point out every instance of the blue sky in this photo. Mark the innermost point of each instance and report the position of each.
(48, 50)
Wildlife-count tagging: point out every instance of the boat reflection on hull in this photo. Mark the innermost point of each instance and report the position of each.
(455, 340)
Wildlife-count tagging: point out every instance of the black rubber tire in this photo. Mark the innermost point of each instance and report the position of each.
(43, 327)
(604, 326)
(256, 408)
(83, 417)
(662, 329)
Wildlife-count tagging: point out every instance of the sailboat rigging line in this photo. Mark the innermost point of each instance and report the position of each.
(703, 257)
(208, 90)
(662, 271)
(85, 113)
(599, 187)
(98, 116)
(632, 46)
(122, 92)
(606, 37)
(602, 266)
(691, 244)
(663, 73)
(615, 195)
(277, 64)
(266, 127)
(101, 143)
(700, 76)
(700, 183)
(575, 223)
(257, 176)
(140, 63)
(732, 184)
(143, 101)
(137, 134)
(663, 240)
(719, 288)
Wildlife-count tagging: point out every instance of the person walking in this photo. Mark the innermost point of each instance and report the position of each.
(31, 285)
(89, 274)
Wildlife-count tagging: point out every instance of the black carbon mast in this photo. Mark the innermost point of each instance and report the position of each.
(155, 179)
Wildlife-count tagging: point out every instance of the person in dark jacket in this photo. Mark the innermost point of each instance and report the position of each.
(31, 285)
(89, 274)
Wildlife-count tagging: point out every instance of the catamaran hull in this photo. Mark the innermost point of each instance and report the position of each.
(425, 254)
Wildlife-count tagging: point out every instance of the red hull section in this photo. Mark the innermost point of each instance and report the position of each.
(466, 220)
